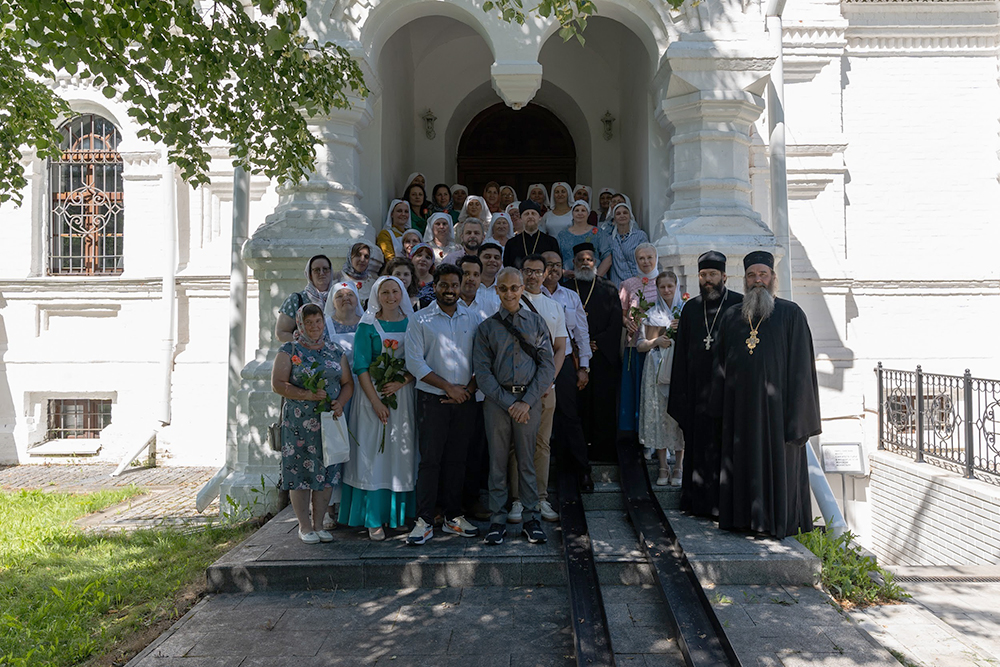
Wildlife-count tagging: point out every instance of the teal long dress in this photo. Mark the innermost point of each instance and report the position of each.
(379, 487)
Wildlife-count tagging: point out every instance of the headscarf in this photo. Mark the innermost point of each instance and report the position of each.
(662, 314)
(313, 293)
(508, 187)
(414, 232)
(374, 306)
(614, 227)
(348, 269)
(429, 232)
(656, 262)
(569, 194)
(330, 309)
(465, 208)
(545, 193)
(419, 246)
(409, 181)
(455, 188)
(493, 221)
(300, 335)
(590, 193)
(579, 202)
(397, 242)
(596, 205)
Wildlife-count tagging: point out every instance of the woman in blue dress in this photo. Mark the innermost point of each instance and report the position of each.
(308, 481)
(378, 488)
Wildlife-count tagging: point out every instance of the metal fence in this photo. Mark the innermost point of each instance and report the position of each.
(944, 419)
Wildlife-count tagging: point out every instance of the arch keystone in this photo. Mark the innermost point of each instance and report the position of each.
(516, 82)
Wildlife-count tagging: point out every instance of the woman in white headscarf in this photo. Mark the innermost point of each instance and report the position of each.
(319, 274)
(501, 229)
(585, 193)
(617, 198)
(581, 231)
(560, 214)
(539, 194)
(440, 235)
(474, 207)
(380, 476)
(415, 177)
(507, 197)
(603, 204)
(459, 193)
(491, 194)
(397, 221)
(659, 431)
(514, 213)
(637, 295)
(411, 238)
(622, 240)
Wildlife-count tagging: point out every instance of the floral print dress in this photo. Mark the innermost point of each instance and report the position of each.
(301, 436)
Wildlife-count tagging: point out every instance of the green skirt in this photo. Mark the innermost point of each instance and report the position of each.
(376, 508)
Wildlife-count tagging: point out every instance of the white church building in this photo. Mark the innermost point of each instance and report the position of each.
(858, 139)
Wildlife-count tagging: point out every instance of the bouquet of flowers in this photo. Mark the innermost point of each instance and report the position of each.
(676, 314)
(386, 368)
(314, 381)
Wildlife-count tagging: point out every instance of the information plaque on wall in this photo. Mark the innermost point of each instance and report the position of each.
(843, 458)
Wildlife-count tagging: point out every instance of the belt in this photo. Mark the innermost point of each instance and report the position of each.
(516, 388)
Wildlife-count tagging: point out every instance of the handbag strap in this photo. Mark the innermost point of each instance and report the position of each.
(528, 348)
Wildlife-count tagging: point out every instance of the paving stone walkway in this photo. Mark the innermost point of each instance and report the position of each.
(169, 497)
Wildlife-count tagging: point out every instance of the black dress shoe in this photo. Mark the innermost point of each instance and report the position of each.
(586, 483)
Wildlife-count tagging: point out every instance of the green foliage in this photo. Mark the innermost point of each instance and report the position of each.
(846, 571)
(244, 76)
(571, 14)
(66, 596)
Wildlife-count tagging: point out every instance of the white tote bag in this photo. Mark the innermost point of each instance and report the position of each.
(336, 448)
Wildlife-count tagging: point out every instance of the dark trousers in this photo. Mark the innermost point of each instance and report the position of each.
(477, 465)
(569, 442)
(444, 431)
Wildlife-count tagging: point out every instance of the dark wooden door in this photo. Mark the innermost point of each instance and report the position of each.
(516, 148)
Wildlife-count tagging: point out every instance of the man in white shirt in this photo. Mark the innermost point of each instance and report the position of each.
(533, 272)
(491, 255)
(482, 304)
(439, 341)
(571, 445)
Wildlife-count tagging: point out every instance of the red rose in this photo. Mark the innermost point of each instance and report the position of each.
(645, 280)
(296, 359)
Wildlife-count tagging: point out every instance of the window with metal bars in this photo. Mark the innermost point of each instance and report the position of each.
(87, 215)
(77, 418)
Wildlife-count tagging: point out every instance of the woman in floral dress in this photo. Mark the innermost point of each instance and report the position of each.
(308, 481)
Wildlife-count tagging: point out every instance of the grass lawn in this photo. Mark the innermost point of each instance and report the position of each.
(70, 598)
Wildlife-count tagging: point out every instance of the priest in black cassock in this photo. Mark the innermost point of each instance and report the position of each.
(691, 385)
(531, 241)
(766, 393)
(598, 401)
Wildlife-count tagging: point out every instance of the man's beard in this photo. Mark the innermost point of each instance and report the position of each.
(587, 275)
(758, 303)
(471, 248)
(711, 292)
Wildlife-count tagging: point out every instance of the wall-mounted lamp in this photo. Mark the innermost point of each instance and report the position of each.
(429, 119)
(608, 121)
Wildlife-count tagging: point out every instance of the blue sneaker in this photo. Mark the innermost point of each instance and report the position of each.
(495, 534)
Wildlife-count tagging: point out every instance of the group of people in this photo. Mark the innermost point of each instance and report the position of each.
(460, 369)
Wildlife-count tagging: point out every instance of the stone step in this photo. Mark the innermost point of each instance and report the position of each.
(275, 559)
(608, 496)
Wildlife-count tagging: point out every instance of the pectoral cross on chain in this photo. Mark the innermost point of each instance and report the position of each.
(752, 340)
(708, 341)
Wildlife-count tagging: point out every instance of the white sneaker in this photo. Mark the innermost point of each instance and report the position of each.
(324, 536)
(514, 515)
(422, 531)
(459, 526)
(547, 512)
(309, 538)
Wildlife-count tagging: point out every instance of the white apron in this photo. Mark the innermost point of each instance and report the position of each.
(396, 467)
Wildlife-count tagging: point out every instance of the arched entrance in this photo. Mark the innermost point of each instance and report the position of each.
(515, 148)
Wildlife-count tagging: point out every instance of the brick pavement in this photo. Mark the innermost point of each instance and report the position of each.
(169, 496)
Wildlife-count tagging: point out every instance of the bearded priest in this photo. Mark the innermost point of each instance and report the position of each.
(765, 390)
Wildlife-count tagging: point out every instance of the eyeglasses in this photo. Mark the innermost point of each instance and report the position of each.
(532, 272)
(321, 269)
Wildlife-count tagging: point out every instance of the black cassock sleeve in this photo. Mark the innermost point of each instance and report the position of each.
(801, 398)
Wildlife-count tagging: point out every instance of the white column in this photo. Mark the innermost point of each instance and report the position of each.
(318, 216)
(710, 97)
